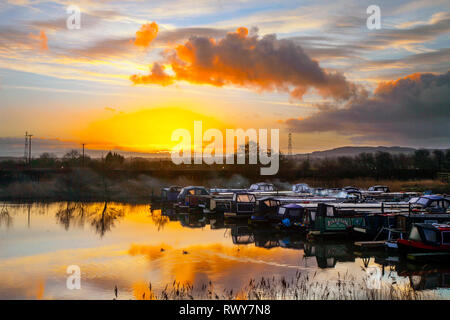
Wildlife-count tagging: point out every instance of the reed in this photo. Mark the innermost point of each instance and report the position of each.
(300, 287)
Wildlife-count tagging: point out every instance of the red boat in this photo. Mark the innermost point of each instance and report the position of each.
(426, 237)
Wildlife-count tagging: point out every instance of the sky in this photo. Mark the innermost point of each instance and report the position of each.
(137, 70)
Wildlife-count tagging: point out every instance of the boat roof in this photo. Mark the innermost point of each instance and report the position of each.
(267, 198)
(194, 187)
(440, 227)
(433, 197)
(292, 206)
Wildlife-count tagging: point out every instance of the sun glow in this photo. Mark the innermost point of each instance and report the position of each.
(148, 130)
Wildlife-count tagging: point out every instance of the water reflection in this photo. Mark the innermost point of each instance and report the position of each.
(327, 254)
(102, 218)
(5, 217)
(141, 248)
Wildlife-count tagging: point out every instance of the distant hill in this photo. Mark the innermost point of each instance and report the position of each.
(353, 151)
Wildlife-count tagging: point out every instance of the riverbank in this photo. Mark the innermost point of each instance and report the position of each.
(89, 185)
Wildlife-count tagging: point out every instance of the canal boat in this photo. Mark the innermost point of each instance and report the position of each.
(379, 188)
(301, 188)
(261, 187)
(292, 216)
(426, 237)
(192, 199)
(242, 205)
(170, 194)
(430, 204)
(266, 206)
(329, 220)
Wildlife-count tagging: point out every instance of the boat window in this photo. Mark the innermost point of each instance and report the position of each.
(422, 201)
(430, 235)
(434, 204)
(413, 200)
(270, 203)
(294, 213)
(414, 234)
(330, 212)
(281, 210)
(446, 237)
(192, 191)
(445, 204)
(245, 198)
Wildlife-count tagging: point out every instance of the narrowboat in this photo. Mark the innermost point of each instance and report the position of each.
(430, 204)
(426, 237)
(242, 205)
(329, 220)
(170, 194)
(266, 206)
(378, 188)
(192, 199)
(261, 187)
(291, 216)
(301, 188)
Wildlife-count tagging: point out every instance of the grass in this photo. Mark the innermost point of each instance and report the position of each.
(300, 287)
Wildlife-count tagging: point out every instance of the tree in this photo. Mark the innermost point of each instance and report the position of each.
(72, 158)
(438, 159)
(422, 159)
(46, 160)
(114, 160)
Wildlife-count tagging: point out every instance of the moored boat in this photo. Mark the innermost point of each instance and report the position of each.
(426, 237)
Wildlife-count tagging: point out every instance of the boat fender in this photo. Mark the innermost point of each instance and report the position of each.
(286, 222)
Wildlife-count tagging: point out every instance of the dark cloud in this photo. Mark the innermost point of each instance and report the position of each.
(182, 34)
(412, 108)
(264, 64)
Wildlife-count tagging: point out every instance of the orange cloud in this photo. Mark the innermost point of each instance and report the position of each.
(156, 76)
(42, 39)
(146, 34)
(388, 86)
(264, 64)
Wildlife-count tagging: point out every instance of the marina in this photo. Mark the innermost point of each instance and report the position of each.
(138, 247)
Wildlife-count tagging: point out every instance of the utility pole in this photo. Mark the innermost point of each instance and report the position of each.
(25, 154)
(29, 148)
(290, 144)
(83, 154)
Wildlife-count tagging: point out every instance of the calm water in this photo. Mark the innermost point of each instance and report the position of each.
(130, 246)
